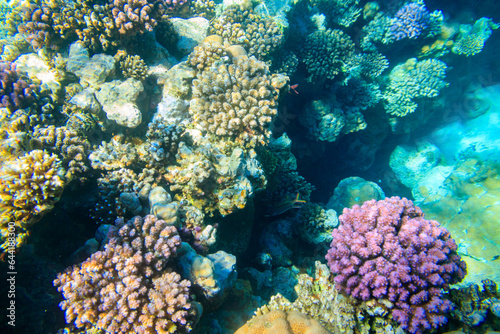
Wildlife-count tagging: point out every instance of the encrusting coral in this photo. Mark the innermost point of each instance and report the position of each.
(278, 321)
(30, 185)
(127, 287)
(236, 102)
(411, 81)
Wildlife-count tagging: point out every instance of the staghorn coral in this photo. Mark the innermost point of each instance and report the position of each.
(127, 287)
(278, 321)
(325, 52)
(387, 250)
(72, 147)
(134, 67)
(30, 185)
(471, 38)
(235, 102)
(339, 12)
(260, 36)
(411, 81)
(15, 93)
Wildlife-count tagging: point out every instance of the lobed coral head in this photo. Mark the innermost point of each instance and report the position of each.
(387, 250)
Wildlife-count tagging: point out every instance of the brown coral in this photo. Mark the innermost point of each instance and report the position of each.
(236, 102)
(127, 288)
(15, 93)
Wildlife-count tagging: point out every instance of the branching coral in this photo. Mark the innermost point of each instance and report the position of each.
(127, 287)
(240, 25)
(15, 93)
(325, 52)
(205, 54)
(30, 185)
(411, 81)
(235, 102)
(388, 250)
(471, 38)
(341, 12)
(134, 67)
(73, 148)
(411, 21)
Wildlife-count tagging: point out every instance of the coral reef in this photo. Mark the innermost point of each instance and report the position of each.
(15, 93)
(113, 155)
(412, 81)
(206, 53)
(260, 36)
(339, 12)
(316, 223)
(128, 286)
(354, 190)
(473, 305)
(211, 180)
(235, 102)
(73, 148)
(386, 249)
(277, 321)
(325, 51)
(410, 22)
(30, 185)
(134, 67)
(136, 16)
(471, 38)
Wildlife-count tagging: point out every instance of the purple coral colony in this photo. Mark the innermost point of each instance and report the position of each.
(246, 166)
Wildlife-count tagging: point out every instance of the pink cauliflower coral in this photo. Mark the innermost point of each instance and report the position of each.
(386, 249)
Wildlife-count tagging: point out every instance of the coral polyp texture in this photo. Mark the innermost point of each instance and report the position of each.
(15, 93)
(471, 38)
(411, 82)
(260, 36)
(127, 287)
(30, 185)
(235, 102)
(387, 250)
(325, 51)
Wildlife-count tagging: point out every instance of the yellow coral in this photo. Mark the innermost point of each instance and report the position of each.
(30, 185)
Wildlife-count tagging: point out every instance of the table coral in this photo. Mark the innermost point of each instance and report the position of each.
(127, 287)
(30, 185)
(325, 51)
(15, 93)
(388, 250)
(236, 102)
(411, 81)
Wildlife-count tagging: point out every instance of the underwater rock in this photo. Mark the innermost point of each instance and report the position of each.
(131, 202)
(177, 80)
(162, 206)
(78, 57)
(96, 70)
(410, 164)
(354, 190)
(86, 100)
(37, 69)
(191, 32)
(172, 110)
(118, 100)
(214, 274)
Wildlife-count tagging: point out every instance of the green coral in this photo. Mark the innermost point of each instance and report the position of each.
(134, 67)
(340, 12)
(411, 81)
(471, 38)
(325, 52)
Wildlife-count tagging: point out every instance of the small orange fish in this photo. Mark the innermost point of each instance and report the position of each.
(293, 87)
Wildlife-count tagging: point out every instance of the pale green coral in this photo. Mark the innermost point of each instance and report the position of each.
(341, 12)
(411, 81)
(471, 38)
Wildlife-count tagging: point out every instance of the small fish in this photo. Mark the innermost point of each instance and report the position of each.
(293, 87)
(285, 205)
